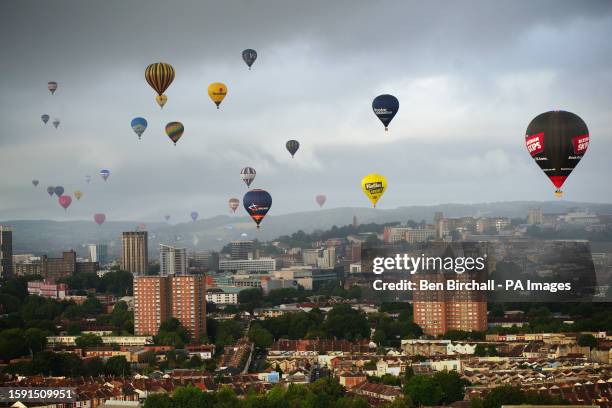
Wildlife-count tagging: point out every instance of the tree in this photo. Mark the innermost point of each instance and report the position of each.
(158, 401)
(118, 366)
(423, 390)
(35, 339)
(260, 336)
(88, 340)
(587, 340)
(172, 333)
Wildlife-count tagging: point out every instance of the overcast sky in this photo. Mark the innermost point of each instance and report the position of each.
(469, 77)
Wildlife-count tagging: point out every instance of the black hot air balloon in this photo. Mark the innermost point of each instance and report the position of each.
(557, 140)
(257, 203)
(385, 107)
(59, 191)
(51, 190)
(292, 146)
(249, 56)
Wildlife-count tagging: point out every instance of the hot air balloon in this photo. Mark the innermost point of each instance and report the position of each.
(320, 199)
(175, 130)
(292, 146)
(374, 186)
(557, 140)
(248, 175)
(159, 75)
(51, 191)
(161, 100)
(65, 201)
(167, 217)
(249, 56)
(385, 107)
(45, 118)
(59, 190)
(99, 218)
(233, 204)
(194, 215)
(78, 194)
(257, 203)
(139, 125)
(104, 174)
(56, 123)
(217, 92)
(142, 227)
(35, 183)
(87, 178)
(52, 86)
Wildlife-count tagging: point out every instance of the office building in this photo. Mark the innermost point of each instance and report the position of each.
(98, 253)
(241, 250)
(135, 252)
(247, 265)
(416, 235)
(152, 303)
(6, 252)
(219, 297)
(47, 289)
(204, 260)
(310, 256)
(158, 298)
(172, 261)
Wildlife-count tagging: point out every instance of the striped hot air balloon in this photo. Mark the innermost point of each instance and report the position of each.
(248, 175)
(160, 75)
(292, 146)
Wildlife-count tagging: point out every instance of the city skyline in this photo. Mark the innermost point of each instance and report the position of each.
(450, 142)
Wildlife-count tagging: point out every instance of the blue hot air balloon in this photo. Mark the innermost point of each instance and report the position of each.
(194, 215)
(139, 125)
(385, 107)
(104, 173)
(59, 190)
(257, 203)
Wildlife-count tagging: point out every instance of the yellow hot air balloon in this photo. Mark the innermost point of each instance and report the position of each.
(374, 186)
(217, 92)
(161, 100)
(78, 194)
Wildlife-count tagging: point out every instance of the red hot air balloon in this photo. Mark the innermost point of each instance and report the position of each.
(65, 201)
(320, 199)
(557, 140)
(99, 218)
(233, 204)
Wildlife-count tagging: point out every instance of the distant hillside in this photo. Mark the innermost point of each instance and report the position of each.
(51, 237)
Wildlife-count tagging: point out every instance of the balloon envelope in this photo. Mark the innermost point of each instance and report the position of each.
(52, 86)
(45, 118)
(320, 199)
(257, 203)
(161, 100)
(385, 107)
(59, 190)
(78, 194)
(175, 130)
(374, 186)
(167, 217)
(247, 174)
(104, 174)
(65, 201)
(56, 123)
(292, 146)
(159, 75)
(249, 56)
(557, 140)
(217, 92)
(99, 218)
(35, 183)
(139, 125)
(233, 204)
(194, 215)
(51, 190)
